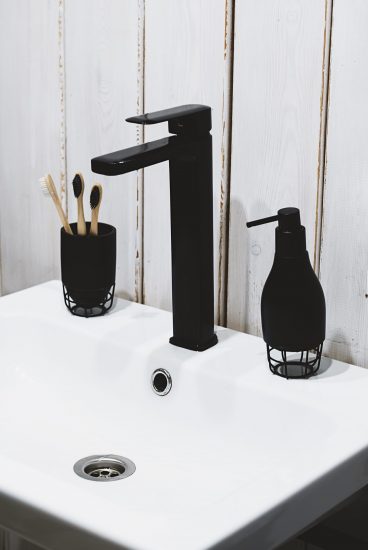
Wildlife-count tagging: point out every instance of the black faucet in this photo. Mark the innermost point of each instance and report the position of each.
(189, 153)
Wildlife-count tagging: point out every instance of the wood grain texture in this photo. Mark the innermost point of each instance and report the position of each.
(185, 62)
(102, 56)
(344, 247)
(29, 141)
(278, 74)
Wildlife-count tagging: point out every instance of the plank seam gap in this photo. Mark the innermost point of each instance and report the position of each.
(62, 97)
(322, 153)
(225, 223)
(139, 271)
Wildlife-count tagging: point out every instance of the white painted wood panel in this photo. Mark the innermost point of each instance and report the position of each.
(278, 83)
(30, 112)
(185, 62)
(344, 250)
(102, 56)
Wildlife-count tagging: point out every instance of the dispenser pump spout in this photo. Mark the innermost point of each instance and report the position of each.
(290, 234)
(288, 218)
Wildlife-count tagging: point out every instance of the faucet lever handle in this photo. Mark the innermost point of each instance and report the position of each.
(183, 120)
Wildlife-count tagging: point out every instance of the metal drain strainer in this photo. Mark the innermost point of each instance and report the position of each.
(104, 467)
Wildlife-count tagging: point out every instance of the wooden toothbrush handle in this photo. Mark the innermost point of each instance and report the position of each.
(62, 216)
(94, 221)
(55, 197)
(81, 225)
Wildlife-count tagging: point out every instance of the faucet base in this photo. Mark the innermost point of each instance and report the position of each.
(194, 347)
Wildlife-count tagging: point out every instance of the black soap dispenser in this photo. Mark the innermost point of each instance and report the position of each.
(293, 304)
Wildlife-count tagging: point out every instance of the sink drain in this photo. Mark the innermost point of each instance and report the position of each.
(104, 467)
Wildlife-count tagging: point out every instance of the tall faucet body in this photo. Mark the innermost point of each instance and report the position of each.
(189, 153)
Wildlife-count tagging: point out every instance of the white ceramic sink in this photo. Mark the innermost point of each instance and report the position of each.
(232, 457)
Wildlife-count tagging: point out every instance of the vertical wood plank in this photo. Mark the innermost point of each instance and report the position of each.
(187, 42)
(344, 246)
(62, 131)
(140, 139)
(102, 56)
(278, 83)
(29, 141)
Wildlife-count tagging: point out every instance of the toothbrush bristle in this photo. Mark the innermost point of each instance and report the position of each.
(95, 196)
(77, 185)
(44, 187)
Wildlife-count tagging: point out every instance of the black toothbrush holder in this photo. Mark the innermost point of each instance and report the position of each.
(88, 268)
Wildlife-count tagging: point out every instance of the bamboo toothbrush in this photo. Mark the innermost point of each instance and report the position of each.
(95, 202)
(78, 187)
(49, 190)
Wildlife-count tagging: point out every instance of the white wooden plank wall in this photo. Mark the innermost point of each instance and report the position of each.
(187, 46)
(102, 55)
(278, 82)
(344, 249)
(30, 107)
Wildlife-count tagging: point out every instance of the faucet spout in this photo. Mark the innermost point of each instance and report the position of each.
(133, 158)
(189, 153)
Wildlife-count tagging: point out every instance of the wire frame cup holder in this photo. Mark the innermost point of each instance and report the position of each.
(88, 268)
(84, 311)
(291, 364)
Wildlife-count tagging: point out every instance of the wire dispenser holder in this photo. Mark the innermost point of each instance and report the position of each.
(289, 364)
(293, 306)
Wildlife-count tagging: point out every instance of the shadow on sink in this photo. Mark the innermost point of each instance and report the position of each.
(118, 305)
(327, 372)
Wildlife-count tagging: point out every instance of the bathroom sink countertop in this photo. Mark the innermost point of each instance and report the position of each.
(232, 457)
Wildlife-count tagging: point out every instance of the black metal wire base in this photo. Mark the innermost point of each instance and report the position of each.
(104, 301)
(290, 364)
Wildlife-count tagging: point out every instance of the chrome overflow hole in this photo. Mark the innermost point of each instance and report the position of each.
(161, 381)
(104, 467)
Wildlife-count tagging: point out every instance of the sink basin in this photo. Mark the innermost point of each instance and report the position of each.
(231, 457)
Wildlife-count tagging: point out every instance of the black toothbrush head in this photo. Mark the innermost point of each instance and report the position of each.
(95, 197)
(77, 185)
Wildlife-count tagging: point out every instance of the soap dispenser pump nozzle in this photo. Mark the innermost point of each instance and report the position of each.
(292, 304)
(290, 234)
(288, 218)
(261, 221)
